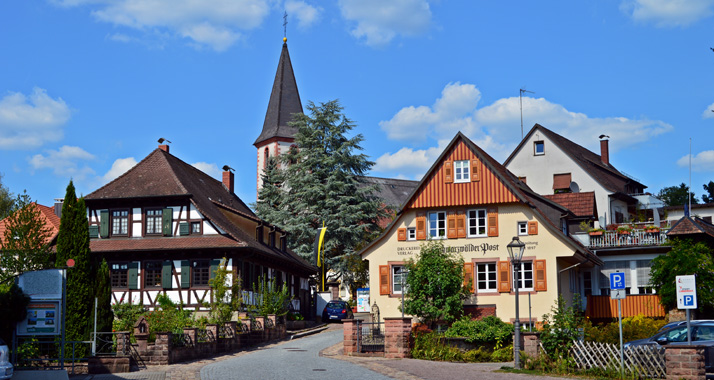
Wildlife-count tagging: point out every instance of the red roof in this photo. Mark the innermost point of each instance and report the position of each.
(580, 204)
(49, 218)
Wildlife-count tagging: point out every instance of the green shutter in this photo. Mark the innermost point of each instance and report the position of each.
(93, 231)
(185, 274)
(214, 267)
(133, 276)
(166, 273)
(168, 219)
(104, 223)
(183, 228)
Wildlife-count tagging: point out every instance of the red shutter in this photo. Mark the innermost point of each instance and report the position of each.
(533, 228)
(561, 181)
(460, 224)
(475, 173)
(384, 280)
(448, 172)
(492, 217)
(421, 226)
(504, 276)
(540, 280)
(469, 277)
(451, 225)
(402, 234)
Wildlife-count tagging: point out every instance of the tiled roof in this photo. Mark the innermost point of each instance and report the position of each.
(392, 192)
(697, 206)
(690, 226)
(50, 219)
(580, 204)
(284, 102)
(161, 243)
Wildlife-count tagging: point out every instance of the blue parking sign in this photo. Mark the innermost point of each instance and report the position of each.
(617, 281)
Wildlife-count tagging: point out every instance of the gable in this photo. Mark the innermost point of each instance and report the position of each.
(435, 191)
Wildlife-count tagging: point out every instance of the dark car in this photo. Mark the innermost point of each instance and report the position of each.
(336, 311)
(702, 334)
(681, 323)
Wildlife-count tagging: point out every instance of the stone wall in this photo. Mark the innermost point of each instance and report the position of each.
(397, 337)
(685, 362)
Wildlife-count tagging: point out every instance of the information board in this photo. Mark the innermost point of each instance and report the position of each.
(43, 318)
(363, 300)
(686, 292)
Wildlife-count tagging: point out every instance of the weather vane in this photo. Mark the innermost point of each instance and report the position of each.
(285, 25)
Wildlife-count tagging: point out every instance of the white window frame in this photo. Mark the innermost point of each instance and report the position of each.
(535, 148)
(438, 225)
(396, 278)
(462, 171)
(525, 276)
(483, 268)
(522, 228)
(411, 233)
(475, 222)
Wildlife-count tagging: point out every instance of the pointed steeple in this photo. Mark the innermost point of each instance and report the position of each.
(284, 102)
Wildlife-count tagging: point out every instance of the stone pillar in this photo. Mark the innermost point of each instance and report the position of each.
(531, 343)
(231, 329)
(162, 349)
(685, 362)
(271, 321)
(123, 343)
(397, 332)
(212, 331)
(192, 334)
(350, 331)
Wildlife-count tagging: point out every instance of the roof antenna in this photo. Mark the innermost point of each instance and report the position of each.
(520, 101)
(285, 26)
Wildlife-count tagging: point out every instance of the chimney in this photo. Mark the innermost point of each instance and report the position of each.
(58, 206)
(164, 147)
(604, 151)
(228, 178)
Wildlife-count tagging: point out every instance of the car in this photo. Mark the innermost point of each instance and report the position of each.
(681, 323)
(6, 368)
(336, 311)
(702, 334)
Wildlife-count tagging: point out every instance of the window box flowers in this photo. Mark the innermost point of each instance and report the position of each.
(624, 230)
(652, 229)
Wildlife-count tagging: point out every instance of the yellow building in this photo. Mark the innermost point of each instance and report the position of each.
(476, 206)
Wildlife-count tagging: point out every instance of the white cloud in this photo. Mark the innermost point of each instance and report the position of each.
(210, 169)
(119, 167)
(306, 14)
(668, 13)
(213, 23)
(379, 21)
(709, 112)
(495, 128)
(65, 162)
(701, 162)
(31, 121)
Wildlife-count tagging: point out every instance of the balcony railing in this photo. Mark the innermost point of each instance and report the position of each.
(635, 237)
(602, 307)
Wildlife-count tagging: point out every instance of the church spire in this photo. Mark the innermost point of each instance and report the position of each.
(284, 102)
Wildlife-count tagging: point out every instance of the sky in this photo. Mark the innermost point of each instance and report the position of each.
(87, 87)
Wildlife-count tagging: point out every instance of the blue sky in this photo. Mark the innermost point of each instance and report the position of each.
(88, 86)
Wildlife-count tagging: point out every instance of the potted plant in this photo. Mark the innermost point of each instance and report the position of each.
(652, 229)
(624, 229)
(595, 231)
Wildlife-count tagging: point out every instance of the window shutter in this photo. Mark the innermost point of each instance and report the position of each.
(183, 228)
(561, 181)
(104, 223)
(460, 224)
(540, 280)
(214, 267)
(504, 276)
(166, 273)
(475, 173)
(402, 234)
(185, 274)
(168, 219)
(533, 228)
(133, 275)
(384, 280)
(451, 225)
(469, 277)
(492, 213)
(421, 226)
(93, 231)
(448, 172)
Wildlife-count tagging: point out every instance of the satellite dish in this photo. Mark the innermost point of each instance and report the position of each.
(574, 188)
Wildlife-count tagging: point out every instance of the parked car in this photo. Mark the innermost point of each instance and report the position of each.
(6, 368)
(336, 311)
(702, 334)
(681, 323)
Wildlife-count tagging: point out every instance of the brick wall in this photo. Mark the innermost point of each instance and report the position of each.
(397, 332)
(350, 336)
(685, 362)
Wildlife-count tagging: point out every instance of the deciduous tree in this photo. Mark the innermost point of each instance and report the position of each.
(676, 195)
(709, 196)
(6, 200)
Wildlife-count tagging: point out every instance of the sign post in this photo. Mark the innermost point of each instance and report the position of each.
(687, 298)
(617, 292)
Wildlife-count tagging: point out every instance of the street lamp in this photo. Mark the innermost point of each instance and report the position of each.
(515, 251)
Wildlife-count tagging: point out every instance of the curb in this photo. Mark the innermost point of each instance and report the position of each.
(315, 330)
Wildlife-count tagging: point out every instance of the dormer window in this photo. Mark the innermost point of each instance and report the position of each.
(539, 148)
(461, 171)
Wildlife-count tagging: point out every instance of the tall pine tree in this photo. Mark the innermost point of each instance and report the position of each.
(73, 243)
(103, 293)
(269, 204)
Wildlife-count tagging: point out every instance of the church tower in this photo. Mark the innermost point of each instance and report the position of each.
(277, 136)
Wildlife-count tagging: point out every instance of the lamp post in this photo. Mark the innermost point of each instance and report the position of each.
(515, 251)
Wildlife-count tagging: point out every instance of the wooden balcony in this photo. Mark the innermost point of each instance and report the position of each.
(602, 307)
(636, 237)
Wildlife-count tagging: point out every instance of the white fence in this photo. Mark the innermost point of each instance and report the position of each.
(643, 361)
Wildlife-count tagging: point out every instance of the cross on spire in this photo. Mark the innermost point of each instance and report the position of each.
(285, 25)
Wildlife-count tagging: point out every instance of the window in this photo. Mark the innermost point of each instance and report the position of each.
(399, 277)
(522, 228)
(486, 277)
(437, 225)
(200, 272)
(539, 148)
(461, 171)
(152, 274)
(120, 222)
(118, 275)
(196, 228)
(476, 220)
(643, 268)
(153, 222)
(266, 156)
(561, 182)
(411, 233)
(525, 276)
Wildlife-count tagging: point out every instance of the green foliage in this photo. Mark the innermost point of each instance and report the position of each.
(676, 195)
(295, 316)
(503, 354)
(433, 346)
(561, 365)
(560, 328)
(7, 202)
(126, 316)
(685, 258)
(103, 293)
(637, 327)
(168, 317)
(25, 245)
(13, 303)
(272, 299)
(227, 295)
(434, 284)
(270, 196)
(487, 331)
(709, 196)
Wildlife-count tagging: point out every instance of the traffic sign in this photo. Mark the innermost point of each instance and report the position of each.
(686, 292)
(618, 294)
(617, 281)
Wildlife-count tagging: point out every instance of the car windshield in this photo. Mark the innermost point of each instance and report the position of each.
(335, 305)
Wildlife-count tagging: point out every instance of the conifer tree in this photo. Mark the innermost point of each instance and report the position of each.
(103, 293)
(269, 204)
